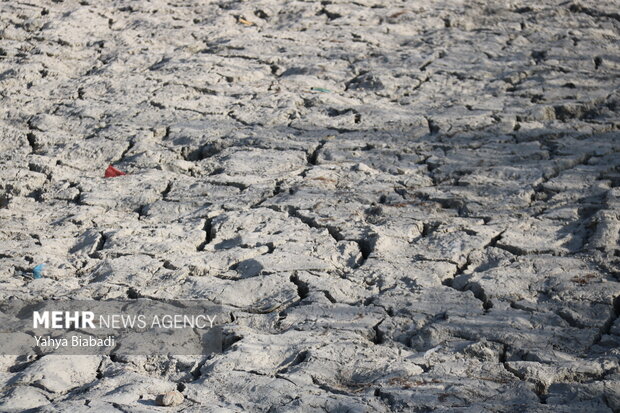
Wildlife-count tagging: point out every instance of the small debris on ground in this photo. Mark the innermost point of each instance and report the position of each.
(37, 271)
(112, 172)
(246, 22)
(320, 89)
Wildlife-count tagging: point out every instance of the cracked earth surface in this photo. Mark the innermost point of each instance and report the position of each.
(402, 206)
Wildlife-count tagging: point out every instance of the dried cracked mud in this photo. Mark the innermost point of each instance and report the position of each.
(402, 206)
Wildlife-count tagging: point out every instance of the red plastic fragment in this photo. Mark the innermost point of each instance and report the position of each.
(111, 172)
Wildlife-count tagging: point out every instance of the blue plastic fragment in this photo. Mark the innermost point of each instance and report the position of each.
(38, 271)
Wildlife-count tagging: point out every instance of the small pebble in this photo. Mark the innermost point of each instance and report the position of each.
(171, 398)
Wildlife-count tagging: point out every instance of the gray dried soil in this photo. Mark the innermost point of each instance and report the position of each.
(405, 206)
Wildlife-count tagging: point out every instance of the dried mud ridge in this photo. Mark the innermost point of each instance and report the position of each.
(401, 206)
